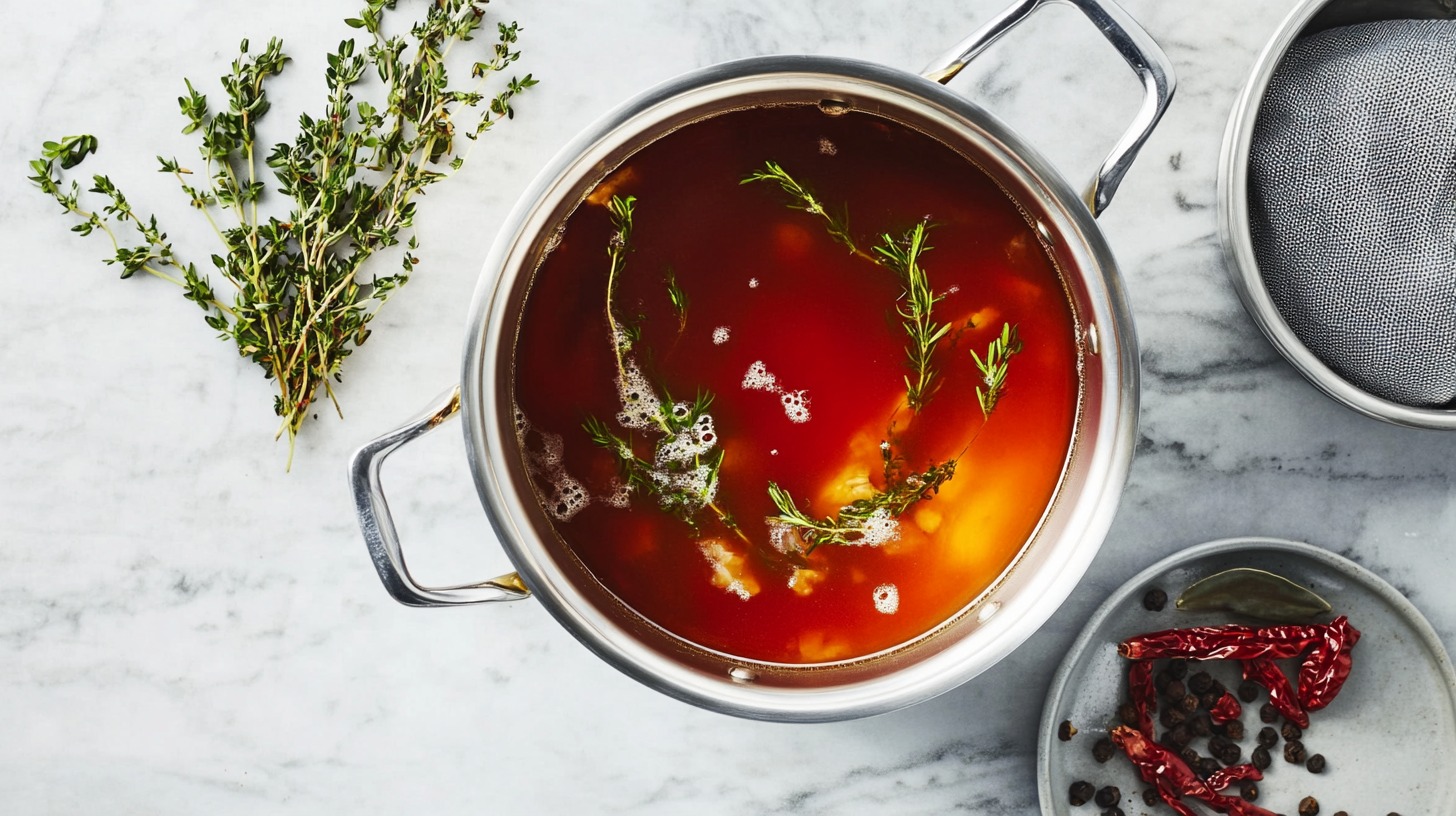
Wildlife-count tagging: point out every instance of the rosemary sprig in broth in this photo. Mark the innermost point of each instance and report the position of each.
(300, 304)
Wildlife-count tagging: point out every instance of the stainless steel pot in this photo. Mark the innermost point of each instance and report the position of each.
(1309, 17)
(1072, 528)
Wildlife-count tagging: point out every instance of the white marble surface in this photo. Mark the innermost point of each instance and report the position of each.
(185, 628)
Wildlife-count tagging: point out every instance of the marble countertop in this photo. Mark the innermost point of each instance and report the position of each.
(187, 628)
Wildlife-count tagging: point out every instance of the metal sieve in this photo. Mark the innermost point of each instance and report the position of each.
(1412, 291)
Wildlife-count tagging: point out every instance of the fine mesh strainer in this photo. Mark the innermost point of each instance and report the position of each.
(1338, 202)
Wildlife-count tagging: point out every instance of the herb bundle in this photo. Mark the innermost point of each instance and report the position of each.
(299, 300)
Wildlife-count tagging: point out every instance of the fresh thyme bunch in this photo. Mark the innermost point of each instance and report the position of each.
(299, 300)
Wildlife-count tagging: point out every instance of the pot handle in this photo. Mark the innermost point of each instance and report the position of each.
(378, 526)
(1152, 66)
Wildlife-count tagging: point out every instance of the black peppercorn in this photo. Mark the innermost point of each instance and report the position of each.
(1260, 758)
(1081, 793)
(1161, 681)
(1127, 713)
(1249, 791)
(1066, 730)
(1290, 731)
(1108, 796)
(1230, 755)
(1268, 713)
(1224, 750)
(1199, 725)
(1178, 737)
(1248, 691)
(1341, 813)
(1189, 703)
(1170, 717)
(1102, 750)
(1268, 737)
(1208, 766)
(1113, 811)
(1176, 689)
(1209, 698)
(1200, 682)
(1234, 730)
(1155, 599)
(1308, 806)
(1177, 668)
(1315, 763)
(1294, 752)
(1151, 797)
(1190, 757)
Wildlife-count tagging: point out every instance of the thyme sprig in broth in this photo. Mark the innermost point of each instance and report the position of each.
(801, 198)
(683, 473)
(995, 366)
(899, 255)
(863, 522)
(301, 300)
(902, 256)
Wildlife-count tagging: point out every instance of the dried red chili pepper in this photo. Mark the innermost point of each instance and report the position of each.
(1227, 708)
(1222, 642)
(1224, 777)
(1324, 671)
(1144, 694)
(1174, 778)
(1263, 671)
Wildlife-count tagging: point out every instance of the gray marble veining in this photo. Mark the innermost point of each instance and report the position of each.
(184, 628)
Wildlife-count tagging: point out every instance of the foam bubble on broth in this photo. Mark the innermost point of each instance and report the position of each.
(545, 458)
(720, 335)
(877, 530)
(757, 378)
(683, 447)
(640, 404)
(887, 599)
(796, 405)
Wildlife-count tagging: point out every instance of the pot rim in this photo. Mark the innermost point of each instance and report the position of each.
(1083, 515)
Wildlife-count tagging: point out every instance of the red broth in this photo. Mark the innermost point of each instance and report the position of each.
(768, 289)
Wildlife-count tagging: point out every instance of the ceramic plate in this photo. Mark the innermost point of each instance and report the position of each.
(1389, 737)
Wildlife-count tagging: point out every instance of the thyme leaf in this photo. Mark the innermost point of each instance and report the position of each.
(995, 366)
(679, 300)
(301, 301)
